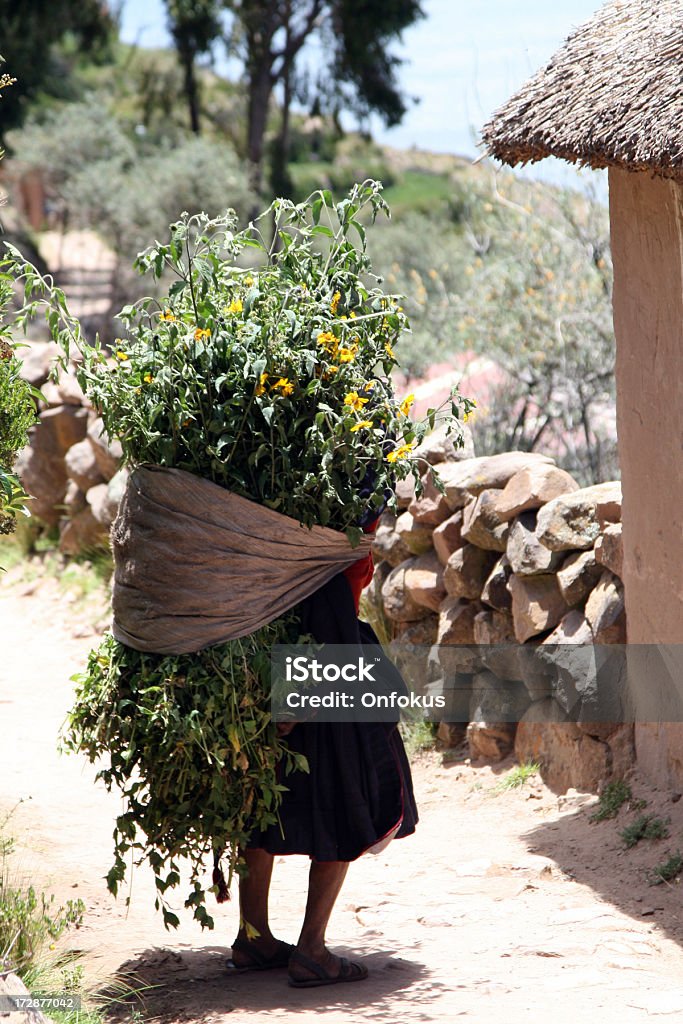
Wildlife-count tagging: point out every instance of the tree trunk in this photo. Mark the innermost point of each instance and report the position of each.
(191, 89)
(260, 90)
(279, 177)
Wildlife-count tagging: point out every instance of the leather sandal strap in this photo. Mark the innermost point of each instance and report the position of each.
(309, 964)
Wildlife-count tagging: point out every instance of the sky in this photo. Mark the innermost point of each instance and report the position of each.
(463, 60)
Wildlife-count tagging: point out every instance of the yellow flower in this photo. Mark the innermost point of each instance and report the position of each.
(167, 315)
(352, 315)
(354, 401)
(261, 386)
(201, 333)
(235, 306)
(285, 385)
(122, 356)
(401, 452)
(334, 305)
(330, 372)
(347, 355)
(328, 342)
(405, 405)
(248, 281)
(389, 350)
(148, 378)
(361, 426)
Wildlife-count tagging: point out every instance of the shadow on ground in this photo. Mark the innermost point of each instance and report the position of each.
(196, 984)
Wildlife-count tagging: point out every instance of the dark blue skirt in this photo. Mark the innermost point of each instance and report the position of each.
(359, 788)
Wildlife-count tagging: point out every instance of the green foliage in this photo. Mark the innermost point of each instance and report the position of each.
(272, 381)
(364, 74)
(646, 826)
(17, 409)
(421, 192)
(129, 191)
(188, 741)
(517, 776)
(668, 869)
(31, 33)
(612, 799)
(29, 918)
(351, 160)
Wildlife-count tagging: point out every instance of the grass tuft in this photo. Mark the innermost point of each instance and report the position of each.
(647, 826)
(612, 799)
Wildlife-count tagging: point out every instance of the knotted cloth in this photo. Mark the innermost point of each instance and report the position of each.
(195, 565)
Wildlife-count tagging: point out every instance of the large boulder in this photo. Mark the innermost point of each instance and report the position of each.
(605, 610)
(431, 508)
(495, 708)
(40, 466)
(497, 701)
(494, 633)
(387, 545)
(37, 359)
(103, 507)
(415, 536)
(458, 652)
(481, 525)
(493, 627)
(405, 492)
(527, 557)
(464, 480)
(608, 506)
(568, 758)
(571, 521)
(531, 488)
(447, 537)
(537, 605)
(609, 549)
(456, 621)
(495, 591)
(107, 453)
(467, 570)
(81, 465)
(399, 606)
(82, 533)
(578, 575)
(423, 580)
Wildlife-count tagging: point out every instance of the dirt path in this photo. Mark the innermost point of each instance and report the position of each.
(503, 907)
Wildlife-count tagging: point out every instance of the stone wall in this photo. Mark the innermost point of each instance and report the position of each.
(70, 468)
(512, 553)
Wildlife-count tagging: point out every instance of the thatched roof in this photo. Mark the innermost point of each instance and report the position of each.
(611, 96)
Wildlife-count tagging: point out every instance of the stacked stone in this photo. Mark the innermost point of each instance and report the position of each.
(512, 553)
(70, 468)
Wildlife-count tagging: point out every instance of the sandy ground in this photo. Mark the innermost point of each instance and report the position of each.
(502, 907)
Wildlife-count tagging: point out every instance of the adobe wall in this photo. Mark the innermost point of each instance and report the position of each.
(647, 251)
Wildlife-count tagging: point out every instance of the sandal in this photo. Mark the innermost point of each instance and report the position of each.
(348, 971)
(259, 962)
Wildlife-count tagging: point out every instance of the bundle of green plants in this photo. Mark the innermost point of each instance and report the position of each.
(267, 370)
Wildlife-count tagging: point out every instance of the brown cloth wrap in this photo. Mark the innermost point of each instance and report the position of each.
(195, 565)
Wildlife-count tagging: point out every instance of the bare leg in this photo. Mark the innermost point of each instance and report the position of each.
(324, 884)
(254, 889)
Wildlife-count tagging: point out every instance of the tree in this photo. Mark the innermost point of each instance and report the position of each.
(29, 34)
(357, 33)
(195, 26)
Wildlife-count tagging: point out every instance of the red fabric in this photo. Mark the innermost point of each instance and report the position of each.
(360, 573)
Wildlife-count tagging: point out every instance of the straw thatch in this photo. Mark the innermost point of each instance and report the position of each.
(611, 96)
